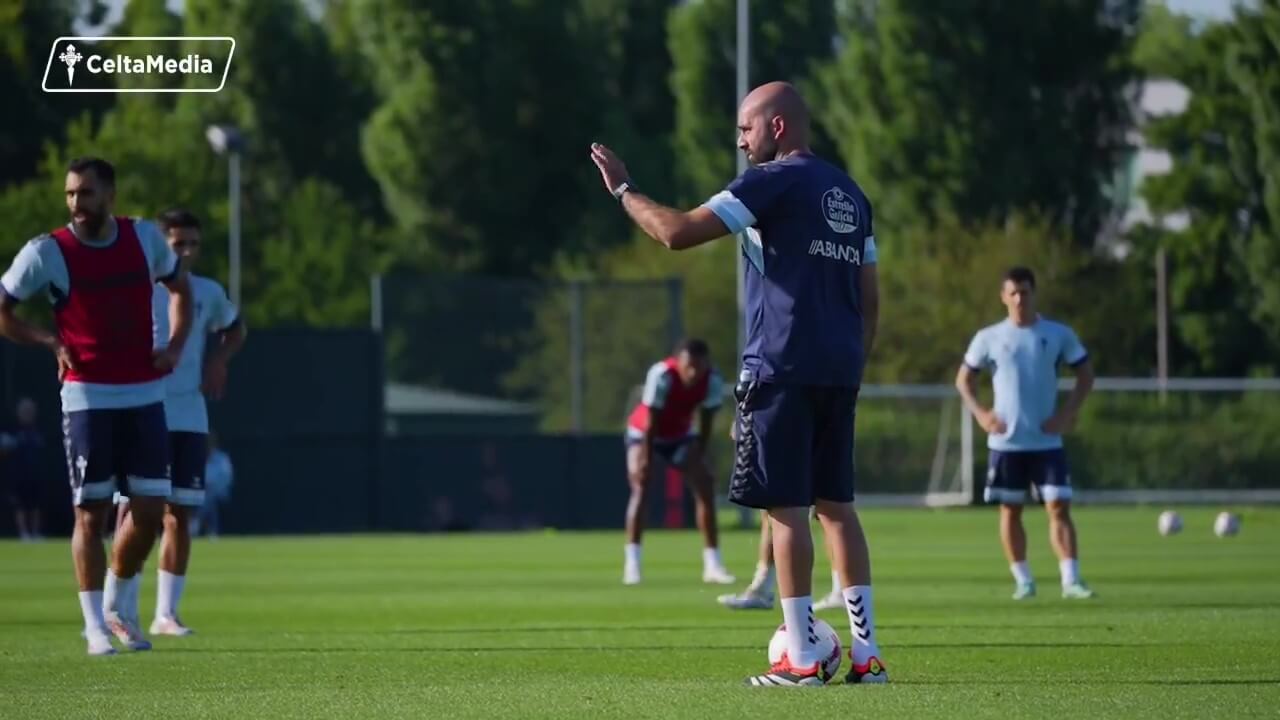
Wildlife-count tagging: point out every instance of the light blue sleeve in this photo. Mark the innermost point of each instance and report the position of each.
(29, 274)
(1073, 351)
(978, 356)
(715, 392)
(869, 254)
(732, 212)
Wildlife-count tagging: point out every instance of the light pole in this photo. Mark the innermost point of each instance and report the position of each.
(228, 140)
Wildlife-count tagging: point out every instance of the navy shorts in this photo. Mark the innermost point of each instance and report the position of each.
(189, 451)
(673, 452)
(1010, 474)
(122, 450)
(794, 446)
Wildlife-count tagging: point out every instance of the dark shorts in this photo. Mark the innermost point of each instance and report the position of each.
(795, 445)
(673, 452)
(1010, 474)
(122, 450)
(188, 451)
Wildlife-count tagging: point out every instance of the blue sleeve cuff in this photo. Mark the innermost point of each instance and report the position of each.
(166, 279)
(231, 325)
(1083, 359)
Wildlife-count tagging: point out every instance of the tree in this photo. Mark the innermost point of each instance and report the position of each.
(1216, 181)
(303, 237)
(787, 42)
(34, 117)
(1160, 50)
(941, 283)
(486, 110)
(288, 92)
(316, 266)
(983, 112)
(1252, 64)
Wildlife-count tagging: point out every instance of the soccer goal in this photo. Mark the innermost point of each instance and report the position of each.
(914, 447)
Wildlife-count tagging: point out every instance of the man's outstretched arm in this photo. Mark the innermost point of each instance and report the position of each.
(675, 229)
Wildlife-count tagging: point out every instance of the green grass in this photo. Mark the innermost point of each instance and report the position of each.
(538, 625)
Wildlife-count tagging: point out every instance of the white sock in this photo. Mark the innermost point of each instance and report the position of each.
(91, 608)
(120, 595)
(802, 642)
(134, 585)
(1070, 570)
(836, 585)
(633, 554)
(857, 602)
(111, 593)
(1021, 572)
(711, 558)
(168, 593)
(763, 580)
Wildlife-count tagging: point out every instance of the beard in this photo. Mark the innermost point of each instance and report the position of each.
(92, 224)
(763, 153)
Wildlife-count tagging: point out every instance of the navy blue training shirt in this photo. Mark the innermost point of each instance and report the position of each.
(805, 230)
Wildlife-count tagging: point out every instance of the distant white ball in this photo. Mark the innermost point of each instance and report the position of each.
(828, 647)
(1226, 524)
(1170, 523)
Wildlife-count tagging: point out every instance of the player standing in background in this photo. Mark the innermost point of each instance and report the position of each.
(1024, 431)
(812, 307)
(662, 422)
(20, 451)
(98, 271)
(184, 404)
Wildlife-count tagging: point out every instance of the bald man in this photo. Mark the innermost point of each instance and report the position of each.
(804, 228)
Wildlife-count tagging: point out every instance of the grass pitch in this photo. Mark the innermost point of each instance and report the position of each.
(539, 625)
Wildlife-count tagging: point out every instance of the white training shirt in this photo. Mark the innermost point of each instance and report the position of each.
(184, 405)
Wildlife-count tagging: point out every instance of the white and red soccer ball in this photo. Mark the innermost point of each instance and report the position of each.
(828, 647)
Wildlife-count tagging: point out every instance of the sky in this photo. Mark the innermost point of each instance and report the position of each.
(1216, 9)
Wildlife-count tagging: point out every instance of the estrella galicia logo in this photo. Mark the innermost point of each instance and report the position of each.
(840, 210)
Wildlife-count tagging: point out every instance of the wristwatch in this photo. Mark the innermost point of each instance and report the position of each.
(622, 188)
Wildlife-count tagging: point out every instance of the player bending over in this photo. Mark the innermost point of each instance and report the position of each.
(1024, 430)
(675, 390)
(805, 230)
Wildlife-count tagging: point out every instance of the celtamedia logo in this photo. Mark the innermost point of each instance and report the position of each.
(142, 64)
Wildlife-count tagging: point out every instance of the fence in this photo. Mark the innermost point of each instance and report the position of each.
(566, 352)
(322, 442)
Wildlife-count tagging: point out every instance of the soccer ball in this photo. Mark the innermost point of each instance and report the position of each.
(1170, 523)
(1226, 524)
(828, 647)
